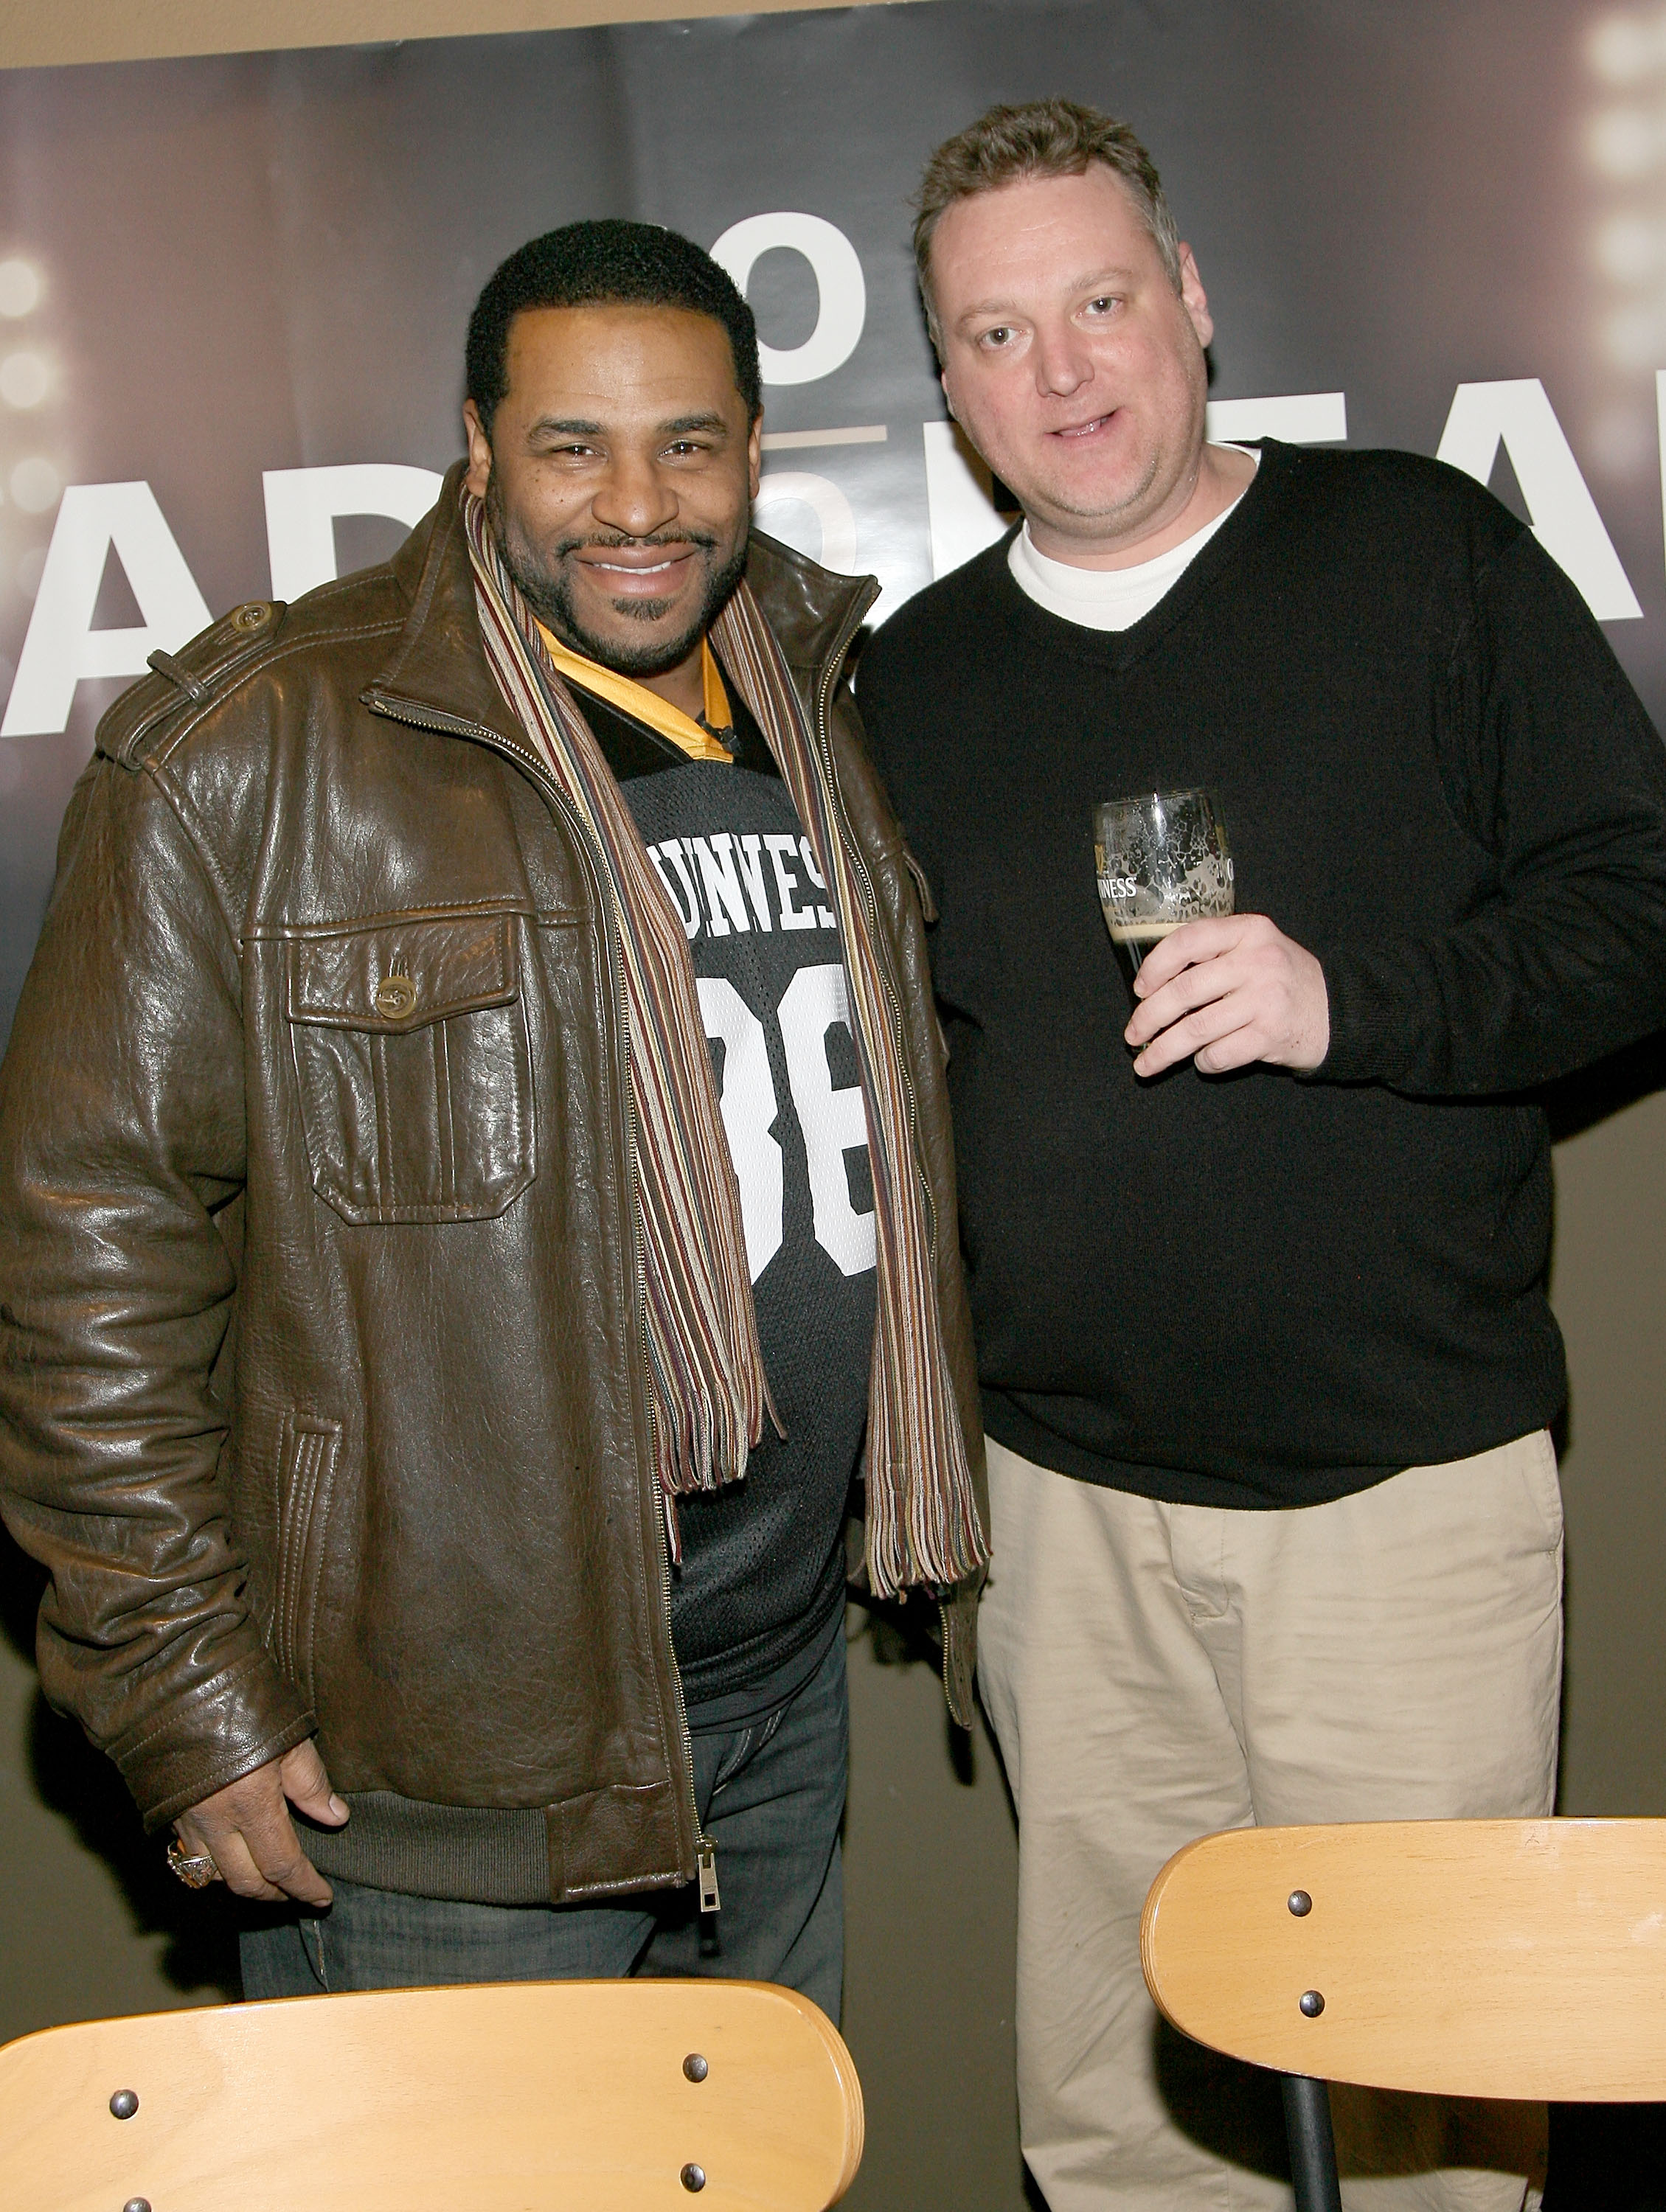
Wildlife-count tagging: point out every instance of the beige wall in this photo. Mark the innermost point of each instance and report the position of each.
(34, 33)
(1609, 1285)
(89, 1925)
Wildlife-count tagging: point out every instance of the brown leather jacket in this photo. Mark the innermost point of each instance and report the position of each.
(317, 1301)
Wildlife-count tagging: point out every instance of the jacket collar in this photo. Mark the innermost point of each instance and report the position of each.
(813, 612)
(440, 664)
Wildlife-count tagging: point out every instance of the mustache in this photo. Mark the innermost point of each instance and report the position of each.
(618, 541)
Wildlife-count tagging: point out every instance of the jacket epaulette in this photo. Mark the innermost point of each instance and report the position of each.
(188, 679)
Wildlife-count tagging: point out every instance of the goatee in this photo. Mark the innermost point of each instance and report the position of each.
(547, 591)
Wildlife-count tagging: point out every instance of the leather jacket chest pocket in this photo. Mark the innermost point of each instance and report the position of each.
(411, 1049)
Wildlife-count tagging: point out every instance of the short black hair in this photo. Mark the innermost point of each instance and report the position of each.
(585, 265)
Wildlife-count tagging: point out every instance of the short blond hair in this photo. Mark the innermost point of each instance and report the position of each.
(1040, 138)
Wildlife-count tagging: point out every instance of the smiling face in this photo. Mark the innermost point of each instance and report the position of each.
(618, 478)
(1073, 364)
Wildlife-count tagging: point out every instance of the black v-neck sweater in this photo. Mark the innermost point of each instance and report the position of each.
(1255, 1290)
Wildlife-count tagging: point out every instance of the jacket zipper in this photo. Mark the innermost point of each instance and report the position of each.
(451, 725)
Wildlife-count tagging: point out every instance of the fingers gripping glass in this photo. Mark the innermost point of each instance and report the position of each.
(1163, 860)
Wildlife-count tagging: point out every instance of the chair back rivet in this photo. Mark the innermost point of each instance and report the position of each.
(664, 2089)
(1507, 1960)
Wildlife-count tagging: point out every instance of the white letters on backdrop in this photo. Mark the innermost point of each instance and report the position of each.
(1299, 418)
(1518, 414)
(303, 504)
(825, 501)
(62, 646)
(842, 292)
(959, 508)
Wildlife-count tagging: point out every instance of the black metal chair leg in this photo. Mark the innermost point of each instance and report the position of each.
(1312, 2145)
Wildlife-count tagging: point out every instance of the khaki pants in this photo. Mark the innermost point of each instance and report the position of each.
(1156, 1672)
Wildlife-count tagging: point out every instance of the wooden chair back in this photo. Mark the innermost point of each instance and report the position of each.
(632, 2096)
(1513, 1959)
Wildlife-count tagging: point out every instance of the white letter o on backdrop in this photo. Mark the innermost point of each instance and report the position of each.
(842, 308)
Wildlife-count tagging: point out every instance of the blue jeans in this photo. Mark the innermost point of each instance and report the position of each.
(771, 1797)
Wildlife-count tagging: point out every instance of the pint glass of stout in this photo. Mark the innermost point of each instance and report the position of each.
(1163, 860)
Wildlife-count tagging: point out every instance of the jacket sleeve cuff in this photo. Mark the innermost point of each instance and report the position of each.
(222, 1729)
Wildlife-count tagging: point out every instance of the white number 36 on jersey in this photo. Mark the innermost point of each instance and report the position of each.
(834, 1122)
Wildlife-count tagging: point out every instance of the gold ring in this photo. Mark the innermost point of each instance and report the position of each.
(196, 1872)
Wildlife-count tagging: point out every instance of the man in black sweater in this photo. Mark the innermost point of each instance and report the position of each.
(1258, 1273)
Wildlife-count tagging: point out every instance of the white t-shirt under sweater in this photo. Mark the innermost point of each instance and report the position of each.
(1109, 598)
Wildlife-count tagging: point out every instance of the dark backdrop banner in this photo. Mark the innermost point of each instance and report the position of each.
(233, 292)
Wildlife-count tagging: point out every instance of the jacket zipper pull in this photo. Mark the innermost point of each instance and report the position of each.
(706, 1861)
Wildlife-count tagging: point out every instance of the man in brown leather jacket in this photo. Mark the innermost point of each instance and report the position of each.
(475, 1187)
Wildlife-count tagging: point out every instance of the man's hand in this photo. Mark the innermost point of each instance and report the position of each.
(247, 1831)
(1224, 994)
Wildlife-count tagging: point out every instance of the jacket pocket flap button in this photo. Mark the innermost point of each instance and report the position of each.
(395, 997)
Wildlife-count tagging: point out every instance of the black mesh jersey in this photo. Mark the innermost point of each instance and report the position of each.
(760, 1586)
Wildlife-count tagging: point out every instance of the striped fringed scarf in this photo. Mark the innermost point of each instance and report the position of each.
(705, 1371)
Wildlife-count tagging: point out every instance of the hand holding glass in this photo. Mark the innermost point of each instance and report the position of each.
(1163, 860)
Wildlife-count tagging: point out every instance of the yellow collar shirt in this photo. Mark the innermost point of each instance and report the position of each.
(693, 738)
